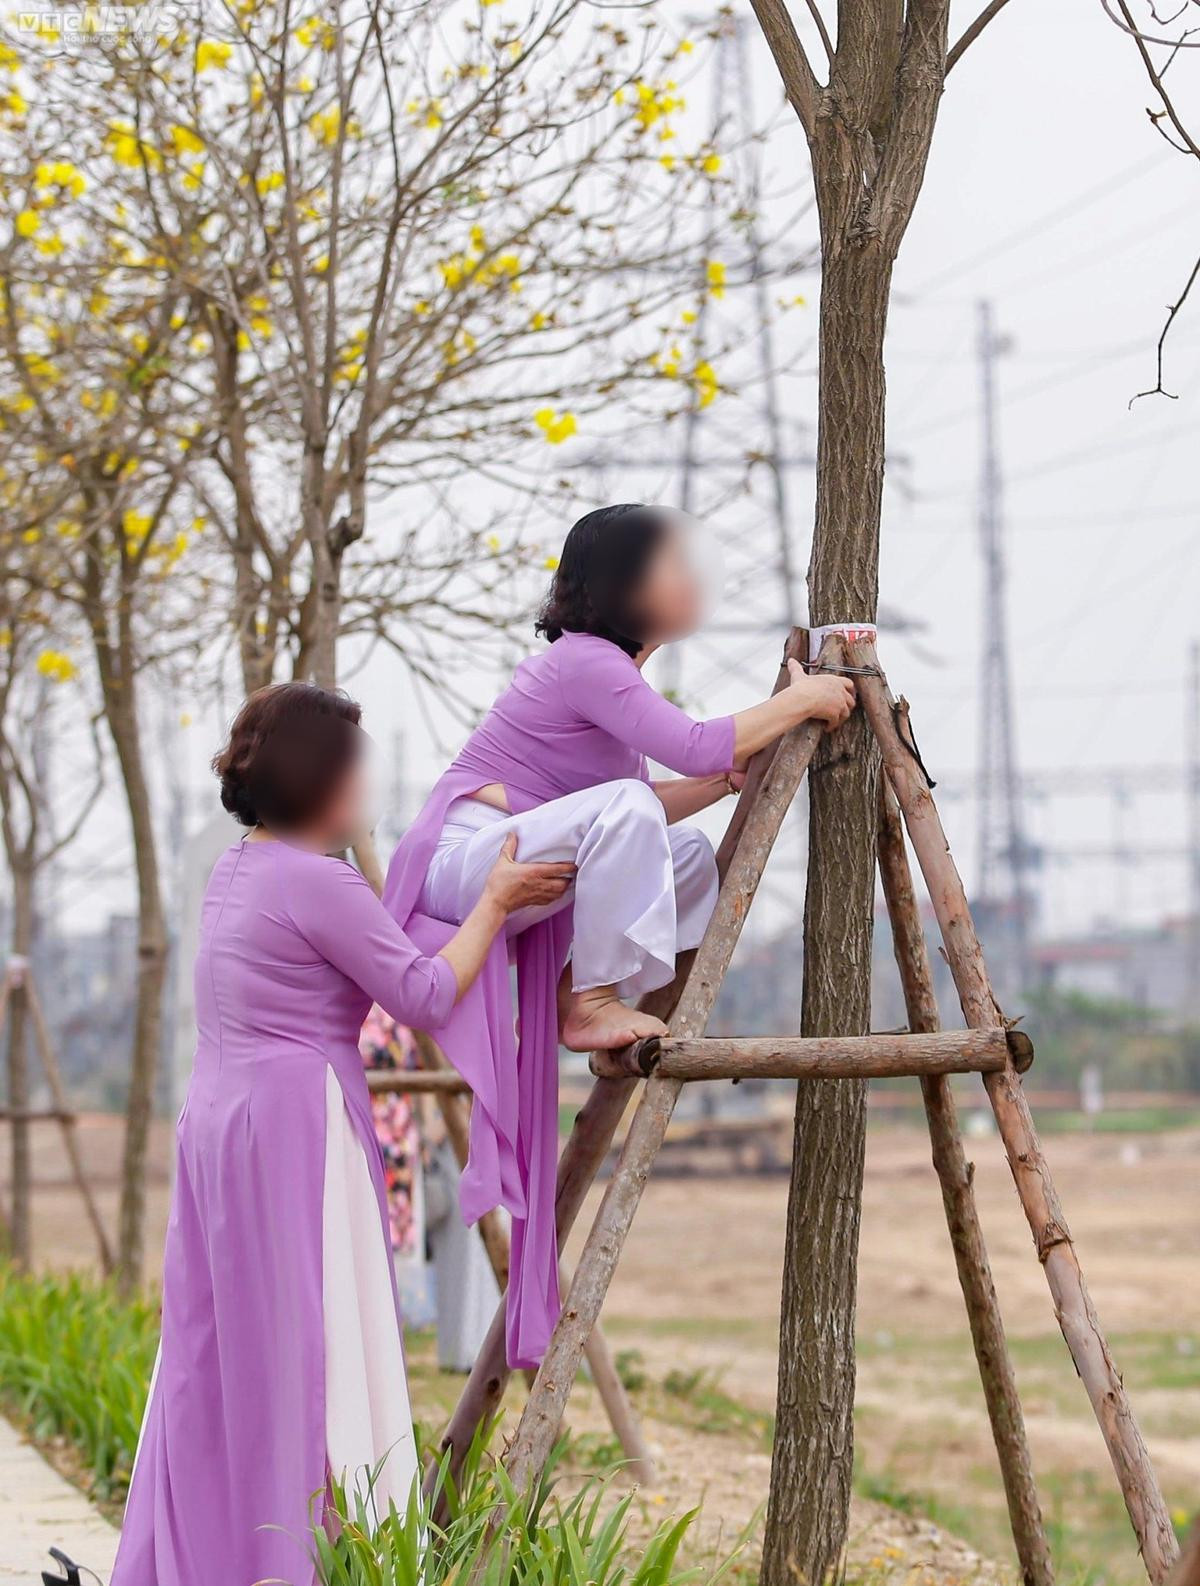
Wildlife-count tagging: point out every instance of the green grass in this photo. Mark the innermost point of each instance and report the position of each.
(75, 1363)
(548, 1540)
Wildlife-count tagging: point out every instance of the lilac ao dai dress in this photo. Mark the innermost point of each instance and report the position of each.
(281, 1355)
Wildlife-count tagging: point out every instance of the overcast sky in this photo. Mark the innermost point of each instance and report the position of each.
(1049, 194)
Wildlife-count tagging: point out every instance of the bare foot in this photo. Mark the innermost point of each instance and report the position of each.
(597, 1021)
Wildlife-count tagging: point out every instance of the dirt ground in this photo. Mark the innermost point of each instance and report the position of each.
(693, 1315)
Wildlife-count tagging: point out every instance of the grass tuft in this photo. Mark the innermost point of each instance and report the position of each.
(75, 1363)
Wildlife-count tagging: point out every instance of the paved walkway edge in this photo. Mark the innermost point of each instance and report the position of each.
(40, 1510)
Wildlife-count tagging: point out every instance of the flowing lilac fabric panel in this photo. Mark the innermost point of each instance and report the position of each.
(514, 1121)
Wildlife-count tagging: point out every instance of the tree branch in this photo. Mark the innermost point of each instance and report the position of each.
(968, 38)
(1176, 120)
(1158, 389)
(799, 80)
(826, 42)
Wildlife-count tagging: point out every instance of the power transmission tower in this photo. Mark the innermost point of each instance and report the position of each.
(1004, 854)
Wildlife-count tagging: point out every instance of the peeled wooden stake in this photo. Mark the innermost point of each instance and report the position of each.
(816, 1057)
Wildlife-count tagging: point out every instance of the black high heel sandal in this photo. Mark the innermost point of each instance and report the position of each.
(70, 1575)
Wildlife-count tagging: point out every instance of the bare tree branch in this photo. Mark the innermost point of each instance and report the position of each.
(1158, 389)
(968, 38)
(799, 80)
(814, 11)
(1190, 144)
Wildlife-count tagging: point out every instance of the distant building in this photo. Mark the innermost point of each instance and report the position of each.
(1148, 967)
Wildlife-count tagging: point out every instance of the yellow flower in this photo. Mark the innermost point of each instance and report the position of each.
(454, 270)
(262, 326)
(684, 47)
(27, 222)
(667, 161)
(51, 245)
(704, 378)
(185, 141)
(62, 174)
(710, 164)
(135, 526)
(212, 52)
(32, 536)
(268, 182)
(538, 321)
(56, 665)
(556, 427)
(714, 274)
(551, 564)
(128, 149)
(326, 125)
(321, 265)
(307, 32)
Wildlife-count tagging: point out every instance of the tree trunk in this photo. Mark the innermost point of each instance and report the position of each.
(20, 1221)
(813, 1457)
(151, 981)
(321, 611)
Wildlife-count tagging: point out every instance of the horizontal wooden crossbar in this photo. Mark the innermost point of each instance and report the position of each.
(417, 1082)
(820, 1057)
(36, 1115)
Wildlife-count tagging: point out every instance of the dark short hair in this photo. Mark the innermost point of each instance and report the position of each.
(604, 559)
(288, 748)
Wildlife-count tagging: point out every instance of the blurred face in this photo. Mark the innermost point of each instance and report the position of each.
(347, 814)
(676, 591)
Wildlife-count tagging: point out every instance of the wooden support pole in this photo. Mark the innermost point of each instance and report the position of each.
(753, 839)
(1073, 1305)
(820, 1057)
(595, 1126)
(639, 1462)
(416, 1082)
(41, 1035)
(956, 1176)
(494, 1234)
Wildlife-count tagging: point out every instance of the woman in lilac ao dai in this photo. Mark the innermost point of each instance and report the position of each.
(280, 1362)
(560, 762)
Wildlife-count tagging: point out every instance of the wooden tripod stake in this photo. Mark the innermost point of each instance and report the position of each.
(18, 982)
(988, 1047)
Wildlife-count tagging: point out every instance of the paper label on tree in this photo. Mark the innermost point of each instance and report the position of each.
(852, 632)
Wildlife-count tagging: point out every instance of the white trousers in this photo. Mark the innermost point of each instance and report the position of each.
(643, 890)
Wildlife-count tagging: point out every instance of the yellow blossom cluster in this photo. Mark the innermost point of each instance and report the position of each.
(476, 266)
(56, 665)
(555, 427)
